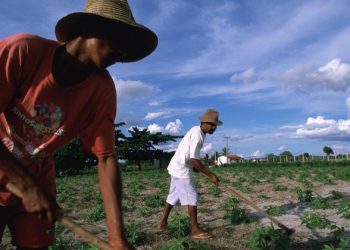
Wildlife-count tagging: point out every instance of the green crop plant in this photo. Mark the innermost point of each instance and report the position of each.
(88, 246)
(144, 211)
(133, 233)
(229, 203)
(303, 196)
(96, 213)
(60, 244)
(343, 209)
(274, 210)
(336, 195)
(344, 244)
(179, 225)
(182, 244)
(315, 221)
(237, 215)
(214, 191)
(321, 203)
(268, 238)
(154, 201)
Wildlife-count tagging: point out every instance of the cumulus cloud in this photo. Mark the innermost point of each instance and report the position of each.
(155, 115)
(133, 91)
(248, 74)
(155, 128)
(257, 154)
(282, 148)
(174, 128)
(207, 148)
(335, 75)
(321, 128)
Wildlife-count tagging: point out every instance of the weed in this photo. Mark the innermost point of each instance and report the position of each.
(182, 244)
(214, 191)
(229, 203)
(314, 221)
(133, 234)
(336, 195)
(179, 225)
(238, 215)
(344, 244)
(274, 210)
(321, 203)
(153, 201)
(303, 196)
(144, 211)
(96, 213)
(344, 209)
(268, 238)
(60, 244)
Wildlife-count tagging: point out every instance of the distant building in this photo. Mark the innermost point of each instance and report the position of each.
(228, 159)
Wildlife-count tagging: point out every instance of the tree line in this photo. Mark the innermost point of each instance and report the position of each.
(140, 146)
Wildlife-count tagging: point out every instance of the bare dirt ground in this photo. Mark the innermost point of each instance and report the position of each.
(212, 217)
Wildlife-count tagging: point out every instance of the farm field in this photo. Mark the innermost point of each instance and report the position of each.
(312, 198)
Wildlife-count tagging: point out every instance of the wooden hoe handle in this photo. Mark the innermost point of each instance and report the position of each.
(250, 203)
(78, 230)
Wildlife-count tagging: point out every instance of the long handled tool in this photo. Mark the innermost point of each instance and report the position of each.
(289, 231)
(84, 234)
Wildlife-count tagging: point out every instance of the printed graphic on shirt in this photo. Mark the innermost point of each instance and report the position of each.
(29, 132)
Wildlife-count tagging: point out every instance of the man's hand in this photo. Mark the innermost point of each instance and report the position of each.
(214, 179)
(37, 201)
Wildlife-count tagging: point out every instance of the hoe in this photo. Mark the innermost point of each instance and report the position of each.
(84, 234)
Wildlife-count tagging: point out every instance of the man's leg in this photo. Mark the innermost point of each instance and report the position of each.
(164, 221)
(196, 231)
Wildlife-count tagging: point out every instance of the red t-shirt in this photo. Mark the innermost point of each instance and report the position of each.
(37, 115)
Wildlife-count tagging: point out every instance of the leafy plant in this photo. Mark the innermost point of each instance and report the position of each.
(182, 244)
(153, 201)
(303, 196)
(274, 210)
(336, 195)
(96, 213)
(344, 244)
(179, 225)
(238, 215)
(133, 233)
(144, 211)
(344, 209)
(214, 191)
(321, 203)
(314, 221)
(268, 238)
(229, 203)
(277, 187)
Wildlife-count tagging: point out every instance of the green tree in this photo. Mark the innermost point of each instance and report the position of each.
(72, 157)
(140, 146)
(328, 150)
(225, 151)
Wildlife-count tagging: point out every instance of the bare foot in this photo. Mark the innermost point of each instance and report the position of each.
(161, 227)
(199, 234)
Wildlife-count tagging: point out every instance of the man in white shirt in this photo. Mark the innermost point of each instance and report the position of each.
(187, 156)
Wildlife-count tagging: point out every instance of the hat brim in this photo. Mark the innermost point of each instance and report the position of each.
(138, 41)
(205, 119)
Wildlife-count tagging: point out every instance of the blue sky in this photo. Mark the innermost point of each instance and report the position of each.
(277, 71)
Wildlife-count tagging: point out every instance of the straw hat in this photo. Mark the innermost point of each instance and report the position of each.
(211, 115)
(116, 19)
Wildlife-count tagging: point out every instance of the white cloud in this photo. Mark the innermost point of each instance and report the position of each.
(133, 91)
(207, 148)
(248, 74)
(348, 104)
(154, 103)
(174, 128)
(282, 148)
(155, 115)
(321, 128)
(335, 75)
(155, 128)
(257, 154)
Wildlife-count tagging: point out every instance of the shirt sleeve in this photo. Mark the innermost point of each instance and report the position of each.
(12, 56)
(98, 137)
(196, 144)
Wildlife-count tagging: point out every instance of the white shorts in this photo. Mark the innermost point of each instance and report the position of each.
(183, 190)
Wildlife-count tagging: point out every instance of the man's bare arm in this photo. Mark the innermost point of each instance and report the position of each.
(111, 188)
(197, 164)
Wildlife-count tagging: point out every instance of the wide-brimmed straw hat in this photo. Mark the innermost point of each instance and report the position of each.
(211, 115)
(114, 17)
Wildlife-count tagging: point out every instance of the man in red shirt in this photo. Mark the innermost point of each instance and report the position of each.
(51, 92)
